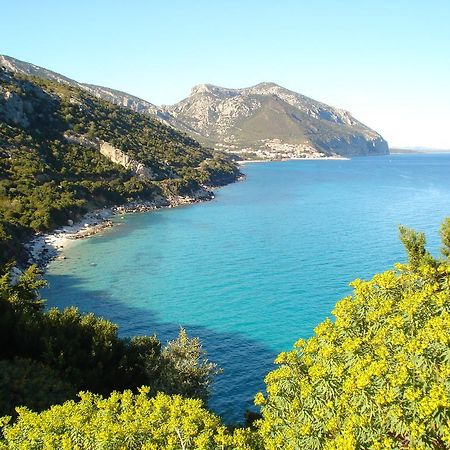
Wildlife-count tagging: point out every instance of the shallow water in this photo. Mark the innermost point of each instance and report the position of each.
(258, 267)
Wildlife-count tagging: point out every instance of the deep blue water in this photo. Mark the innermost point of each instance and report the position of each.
(260, 266)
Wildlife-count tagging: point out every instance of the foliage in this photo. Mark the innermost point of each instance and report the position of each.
(124, 421)
(186, 370)
(379, 375)
(414, 244)
(20, 292)
(445, 236)
(27, 382)
(84, 351)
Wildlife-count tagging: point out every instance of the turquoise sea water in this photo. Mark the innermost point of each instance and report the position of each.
(261, 265)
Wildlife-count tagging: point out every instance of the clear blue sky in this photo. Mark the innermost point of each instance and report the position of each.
(386, 61)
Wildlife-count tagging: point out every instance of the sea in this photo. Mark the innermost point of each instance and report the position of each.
(258, 267)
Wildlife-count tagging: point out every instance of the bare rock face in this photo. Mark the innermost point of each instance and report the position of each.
(114, 154)
(13, 110)
(24, 106)
(118, 157)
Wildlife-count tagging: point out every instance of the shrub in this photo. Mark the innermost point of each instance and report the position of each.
(124, 421)
(378, 376)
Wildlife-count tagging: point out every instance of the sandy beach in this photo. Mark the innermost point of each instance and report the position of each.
(43, 248)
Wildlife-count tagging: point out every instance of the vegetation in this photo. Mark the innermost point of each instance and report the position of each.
(48, 356)
(377, 377)
(27, 382)
(125, 421)
(51, 169)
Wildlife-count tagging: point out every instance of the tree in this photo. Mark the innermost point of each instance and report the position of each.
(445, 237)
(185, 368)
(27, 382)
(85, 351)
(414, 243)
(22, 293)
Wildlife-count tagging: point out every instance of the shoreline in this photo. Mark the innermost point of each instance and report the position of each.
(44, 248)
(251, 161)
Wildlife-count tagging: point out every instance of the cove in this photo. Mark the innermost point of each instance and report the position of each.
(261, 265)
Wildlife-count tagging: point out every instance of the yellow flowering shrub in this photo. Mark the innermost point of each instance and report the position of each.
(378, 376)
(121, 422)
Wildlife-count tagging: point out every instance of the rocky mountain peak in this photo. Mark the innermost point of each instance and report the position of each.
(210, 89)
(264, 87)
(201, 89)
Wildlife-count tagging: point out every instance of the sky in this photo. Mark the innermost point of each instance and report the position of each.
(385, 61)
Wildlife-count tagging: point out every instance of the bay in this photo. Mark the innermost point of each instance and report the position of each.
(261, 265)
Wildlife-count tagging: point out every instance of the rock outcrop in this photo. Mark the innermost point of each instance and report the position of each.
(118, 157)
(14, 110)
(114, 154)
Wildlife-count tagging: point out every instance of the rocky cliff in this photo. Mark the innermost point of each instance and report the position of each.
(117, 156)
(112, 95)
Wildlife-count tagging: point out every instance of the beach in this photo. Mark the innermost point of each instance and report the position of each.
(43, 248)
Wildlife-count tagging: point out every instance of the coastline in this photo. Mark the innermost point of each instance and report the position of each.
(44, 248)
(252, 161)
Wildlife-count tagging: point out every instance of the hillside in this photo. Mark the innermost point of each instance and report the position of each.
(112, 95)
(64, 152)
(264, 121)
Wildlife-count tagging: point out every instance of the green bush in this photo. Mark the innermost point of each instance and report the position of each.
(27, 382)
(86, 352)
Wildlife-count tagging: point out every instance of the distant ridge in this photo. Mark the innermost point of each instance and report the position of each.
(265, 121)
(112, 95)
(271, 121)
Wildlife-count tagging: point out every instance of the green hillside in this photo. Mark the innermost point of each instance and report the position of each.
(51, 169)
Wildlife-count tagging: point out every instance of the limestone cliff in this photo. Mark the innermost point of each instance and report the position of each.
(119, 157)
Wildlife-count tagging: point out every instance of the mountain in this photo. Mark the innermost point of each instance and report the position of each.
(112, 95)
(64, 152)
(264, 121)
(271, 121)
